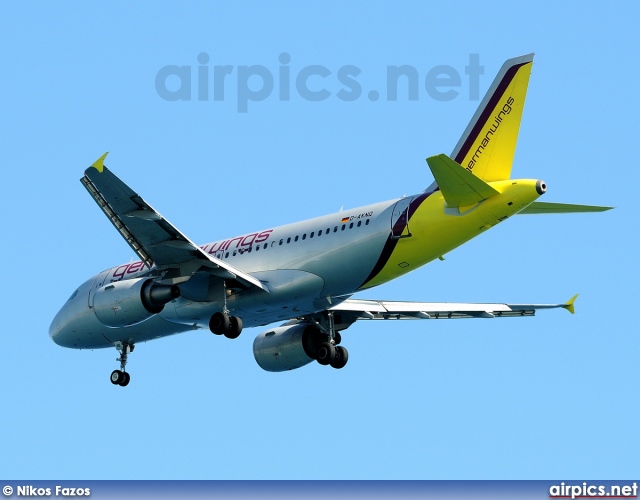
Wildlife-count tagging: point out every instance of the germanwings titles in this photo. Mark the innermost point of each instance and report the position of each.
(304, 274)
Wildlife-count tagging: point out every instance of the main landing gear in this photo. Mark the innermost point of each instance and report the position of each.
(332, 354)
(121, 377)
(223, 324)
(321, 344)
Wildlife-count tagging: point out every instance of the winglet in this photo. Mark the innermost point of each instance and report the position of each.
(569, 305)
(99, 163)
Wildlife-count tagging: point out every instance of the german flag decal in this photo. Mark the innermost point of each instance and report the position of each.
(344, 219)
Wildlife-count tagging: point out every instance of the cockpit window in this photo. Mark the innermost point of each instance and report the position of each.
(72, 295)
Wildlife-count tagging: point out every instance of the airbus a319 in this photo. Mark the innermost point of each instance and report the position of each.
(305, 274)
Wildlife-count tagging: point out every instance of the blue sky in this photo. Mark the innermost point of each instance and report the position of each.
(553, 396)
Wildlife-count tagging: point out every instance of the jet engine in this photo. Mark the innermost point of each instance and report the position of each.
(128, 302)
(287, 347)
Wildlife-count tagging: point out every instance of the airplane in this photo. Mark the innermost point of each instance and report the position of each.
(305, 274)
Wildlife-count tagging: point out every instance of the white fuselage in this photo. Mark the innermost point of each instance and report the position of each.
(307, 266)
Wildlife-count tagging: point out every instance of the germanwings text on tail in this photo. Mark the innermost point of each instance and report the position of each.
(306, 273)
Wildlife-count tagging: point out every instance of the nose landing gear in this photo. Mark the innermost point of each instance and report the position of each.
(121, 377)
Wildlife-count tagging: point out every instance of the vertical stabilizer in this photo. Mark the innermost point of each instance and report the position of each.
(488, 144)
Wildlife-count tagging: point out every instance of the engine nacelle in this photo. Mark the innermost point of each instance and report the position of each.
(287, 347)
(128, 302)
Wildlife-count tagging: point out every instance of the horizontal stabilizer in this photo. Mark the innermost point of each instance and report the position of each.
(541, 207)
(459, 187)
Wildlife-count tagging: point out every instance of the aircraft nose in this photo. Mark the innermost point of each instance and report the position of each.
(65, 324)
(57, 327)
(76, 325)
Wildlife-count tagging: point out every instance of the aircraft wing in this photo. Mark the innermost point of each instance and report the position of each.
(355, 309)
(149, 234)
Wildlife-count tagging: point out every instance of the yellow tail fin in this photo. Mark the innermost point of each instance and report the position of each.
(488, 144)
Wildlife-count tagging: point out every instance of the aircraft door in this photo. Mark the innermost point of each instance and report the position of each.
(98, 282)
(400, 219)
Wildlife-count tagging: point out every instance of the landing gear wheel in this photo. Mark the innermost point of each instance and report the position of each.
(235, 328)
(337, 338)
(219, 323)
(126, 378)
(342, 356)
(326, 353)
(121, 377)
(117, 377)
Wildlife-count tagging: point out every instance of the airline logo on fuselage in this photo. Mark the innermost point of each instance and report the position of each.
(238, 242)
(234, 243)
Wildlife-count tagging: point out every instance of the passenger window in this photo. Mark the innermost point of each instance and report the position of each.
(311, 235)
(351, 226)
(288, 240)
(265, 246)
(280, 242)
(304, 236)
(359, 223)
(366, 223)
(328, 230)
(343, 226)
(335, 229)
(296, 238)
(226, 255)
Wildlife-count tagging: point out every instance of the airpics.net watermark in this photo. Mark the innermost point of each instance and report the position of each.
(589, 490)
(207, 81)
